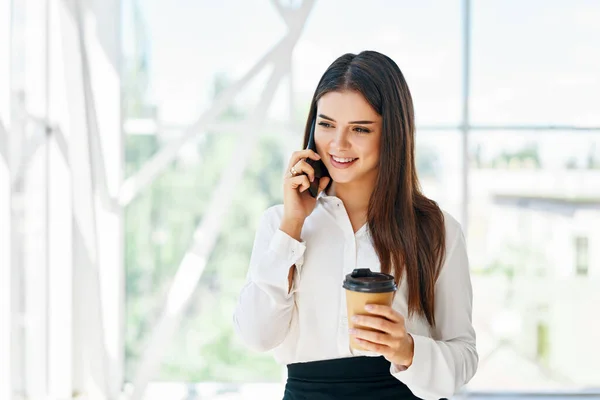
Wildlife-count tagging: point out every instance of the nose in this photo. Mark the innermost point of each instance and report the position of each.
(340, 142)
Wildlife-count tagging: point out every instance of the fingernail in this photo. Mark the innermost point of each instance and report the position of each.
(369, 307)
(318, 156)
(354, 318)
(312, 179)
(351, 331)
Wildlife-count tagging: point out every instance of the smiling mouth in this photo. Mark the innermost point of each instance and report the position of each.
(343, 159)
(341, 162)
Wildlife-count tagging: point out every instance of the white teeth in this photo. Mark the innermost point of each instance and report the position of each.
(343, 160)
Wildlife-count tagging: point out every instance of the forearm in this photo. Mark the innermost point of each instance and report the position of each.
(266, 303)
(411, 353)
(292, 228)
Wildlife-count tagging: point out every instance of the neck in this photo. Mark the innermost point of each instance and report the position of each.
(355, 195)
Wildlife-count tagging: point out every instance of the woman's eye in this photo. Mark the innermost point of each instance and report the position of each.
(325, 124)
(361, 130)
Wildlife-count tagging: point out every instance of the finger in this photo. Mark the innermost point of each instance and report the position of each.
(374, 347)
(304, 167)
(373, 337)
(384, 311)
(323, 182)
(302, 154)
(299, 182)
(376, 322)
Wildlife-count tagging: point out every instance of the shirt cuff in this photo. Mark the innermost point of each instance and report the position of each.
(419, 363)
(285, 252)
(288, 248)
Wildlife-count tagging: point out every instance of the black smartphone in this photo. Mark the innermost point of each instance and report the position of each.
(318, 166)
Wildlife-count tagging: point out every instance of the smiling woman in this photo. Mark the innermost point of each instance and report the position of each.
(348, 142)
(370, 213)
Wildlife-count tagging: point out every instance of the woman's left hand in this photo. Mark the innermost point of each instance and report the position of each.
(392, 341)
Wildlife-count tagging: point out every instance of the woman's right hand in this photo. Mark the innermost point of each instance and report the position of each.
(298, 204)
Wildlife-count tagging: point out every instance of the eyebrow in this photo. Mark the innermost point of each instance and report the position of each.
(351, 122)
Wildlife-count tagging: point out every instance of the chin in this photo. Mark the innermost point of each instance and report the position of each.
(342, 178)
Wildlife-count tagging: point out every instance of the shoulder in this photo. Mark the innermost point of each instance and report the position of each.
(453, 228)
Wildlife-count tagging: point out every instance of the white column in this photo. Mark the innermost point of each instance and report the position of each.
(91, 67)
(6, 319)
(32, 205)
(88, 368)
(60, 232)
(104, 55)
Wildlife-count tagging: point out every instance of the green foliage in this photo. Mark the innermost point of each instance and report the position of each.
(528, 155)
(159, 228)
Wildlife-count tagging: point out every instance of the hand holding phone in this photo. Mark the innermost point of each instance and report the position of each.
(318, 166)
(297, 206)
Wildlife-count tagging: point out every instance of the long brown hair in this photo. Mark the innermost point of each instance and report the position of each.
(407, 228)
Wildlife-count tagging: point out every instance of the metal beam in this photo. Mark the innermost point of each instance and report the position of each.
(99, 55)
(214, 127)
(3, 143)
(89, 359)
(550, 128)
(477, 129)
(12, 348)
(204, 238)
(6, 289)
(552, 205)
(96, 153)
(465, 127)
(94, 122)
(29, 200)
(281, 126)
(30, 148)
(283, 11)
(60, 228)
(154, 167)
(7, 365)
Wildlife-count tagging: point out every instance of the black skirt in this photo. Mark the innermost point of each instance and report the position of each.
(344, 378)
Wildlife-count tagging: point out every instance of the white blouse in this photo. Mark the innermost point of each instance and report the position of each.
(309, 322)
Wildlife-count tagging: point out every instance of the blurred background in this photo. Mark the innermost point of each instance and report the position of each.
(140, 141)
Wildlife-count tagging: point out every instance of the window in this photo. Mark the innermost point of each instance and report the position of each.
(543, 345)
(581, 255)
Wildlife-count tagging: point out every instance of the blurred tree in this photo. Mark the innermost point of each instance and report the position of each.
(527, 157)
(159, 226)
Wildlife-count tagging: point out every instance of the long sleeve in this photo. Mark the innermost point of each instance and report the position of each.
(443, 364)
(264, 310)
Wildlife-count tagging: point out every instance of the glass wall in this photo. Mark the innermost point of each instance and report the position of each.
(214, 97)
(533, 162)
(27, 158)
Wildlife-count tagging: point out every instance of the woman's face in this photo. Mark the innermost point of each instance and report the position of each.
(347, 135)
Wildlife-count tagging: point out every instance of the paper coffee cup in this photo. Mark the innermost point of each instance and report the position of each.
(366, 287)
